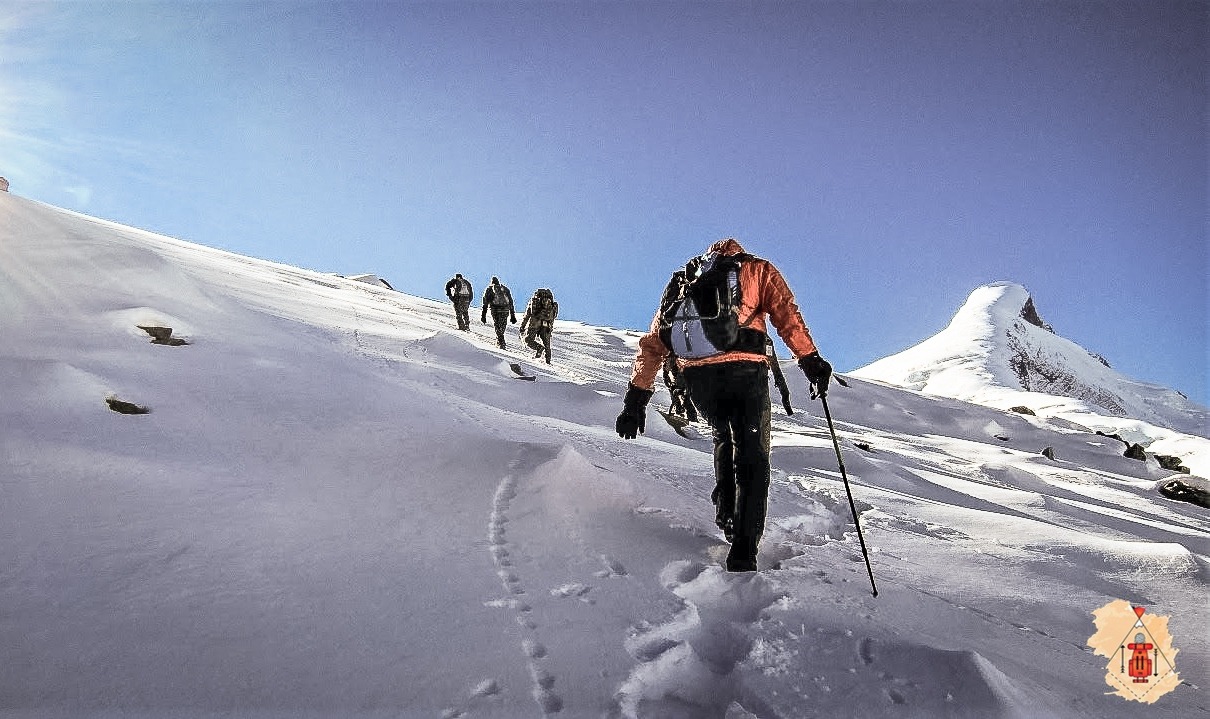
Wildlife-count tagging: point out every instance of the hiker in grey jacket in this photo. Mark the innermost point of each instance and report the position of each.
(498, 298)
(461, 293)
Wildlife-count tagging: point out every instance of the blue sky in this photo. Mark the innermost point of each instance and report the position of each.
(889, 157)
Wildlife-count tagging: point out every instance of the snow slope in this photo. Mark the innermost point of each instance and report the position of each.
(997, 351)
(340, 506)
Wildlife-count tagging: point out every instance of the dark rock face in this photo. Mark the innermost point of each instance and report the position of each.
(1185, 492)
(1029, 313)
(1171, 463)
(1136, 451)
(1023, 410)
(162, 336)
(124, 407)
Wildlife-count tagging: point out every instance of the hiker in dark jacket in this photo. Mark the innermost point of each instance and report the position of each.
(461, 293)
(730, 387)
(538, 322)
(499, 300)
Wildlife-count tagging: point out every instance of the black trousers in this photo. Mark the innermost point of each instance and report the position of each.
(462, 310)
(500, 317)
(734, 399)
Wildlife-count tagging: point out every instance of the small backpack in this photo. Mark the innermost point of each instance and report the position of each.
(699, 313)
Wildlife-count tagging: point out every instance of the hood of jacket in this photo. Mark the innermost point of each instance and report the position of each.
(726, 247)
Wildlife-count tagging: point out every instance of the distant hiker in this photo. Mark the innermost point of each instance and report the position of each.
(497, 298)
(674, 380)
(539, 321)
(460, 292)
(3, 185)
(712, 315)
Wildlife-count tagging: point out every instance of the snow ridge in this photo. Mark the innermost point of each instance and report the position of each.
(998, 351)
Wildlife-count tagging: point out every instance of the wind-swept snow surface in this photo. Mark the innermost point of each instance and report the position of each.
(339, 505)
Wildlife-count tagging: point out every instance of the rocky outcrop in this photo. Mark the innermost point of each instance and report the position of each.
(1186, 491)
(1171, 463)
(163, 336)
(123, 407)
(1029, 313)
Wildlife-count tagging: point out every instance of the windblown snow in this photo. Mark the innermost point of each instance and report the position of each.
(338, 505)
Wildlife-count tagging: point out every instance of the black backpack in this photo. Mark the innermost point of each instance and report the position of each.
(543, 307)
(699, 312)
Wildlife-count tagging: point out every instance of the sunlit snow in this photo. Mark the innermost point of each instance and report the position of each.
(339, 505)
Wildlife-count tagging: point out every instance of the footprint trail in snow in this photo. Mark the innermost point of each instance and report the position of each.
(535, 653)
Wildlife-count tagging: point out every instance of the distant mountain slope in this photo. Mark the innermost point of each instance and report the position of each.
(998, 351)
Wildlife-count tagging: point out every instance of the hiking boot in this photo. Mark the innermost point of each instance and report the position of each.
(742, 557)
(539, 354)
(741, 565)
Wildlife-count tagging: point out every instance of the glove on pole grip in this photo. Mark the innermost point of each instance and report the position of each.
(818, 372)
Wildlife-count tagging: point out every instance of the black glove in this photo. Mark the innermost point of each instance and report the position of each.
(483, 318)
(818, 372)
(631, 421)
(513, 319)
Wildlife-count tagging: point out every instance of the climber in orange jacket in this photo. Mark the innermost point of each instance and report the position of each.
(712, 316)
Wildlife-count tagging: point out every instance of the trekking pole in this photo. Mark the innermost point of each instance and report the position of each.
(852, 507)
(778, 378)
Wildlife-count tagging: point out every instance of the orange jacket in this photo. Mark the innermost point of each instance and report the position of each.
(763, 292)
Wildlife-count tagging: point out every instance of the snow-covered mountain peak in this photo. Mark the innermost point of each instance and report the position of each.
(998, 351)
(1004, 303)
(1001, 299)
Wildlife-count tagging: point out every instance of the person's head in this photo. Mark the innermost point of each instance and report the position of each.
(495, 280)
(457, 275)
(725, 246)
